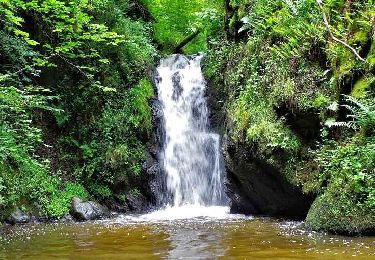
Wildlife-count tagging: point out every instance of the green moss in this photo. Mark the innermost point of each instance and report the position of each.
(199, 44)
(345, 181)
(346, 61)
(371, 57)
(288, 70)
(232, 23)
(321, 102)
(361, 37)
(338, 213)
(362, 86)
(371, 61)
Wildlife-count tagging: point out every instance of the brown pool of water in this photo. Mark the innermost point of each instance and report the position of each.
(245, 238)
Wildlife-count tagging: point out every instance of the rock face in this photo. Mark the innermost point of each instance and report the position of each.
(89, 210)
(153, 165)
(258, 188)
(137, 203)
(18, 217)
(253, 186)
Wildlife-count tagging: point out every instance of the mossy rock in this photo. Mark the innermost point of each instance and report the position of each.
(339, 214)
(232, 24)
(361, 37)
(371, 57)
(371, 61)
(362, 86)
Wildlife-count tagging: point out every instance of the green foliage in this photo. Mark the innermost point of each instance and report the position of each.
(58, 202)
(21, 174)
(362, 86)
(175, 20)
(113, 148)
(16, 120)
(362, 115)
(346, 182)
(285, 70)
(24, 177)
(321, 102)
(76, 68)
(100, 191)
(274, 70)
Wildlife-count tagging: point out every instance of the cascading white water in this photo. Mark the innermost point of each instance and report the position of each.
(191, 153)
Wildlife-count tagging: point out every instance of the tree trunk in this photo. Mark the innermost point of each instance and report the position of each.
(227, 17)
(187, 40)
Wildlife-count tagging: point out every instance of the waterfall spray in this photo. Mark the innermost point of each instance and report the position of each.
(191, 153)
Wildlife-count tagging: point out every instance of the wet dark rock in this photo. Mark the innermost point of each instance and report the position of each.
(137, 203)
(116, 204)
(177, 88)
(157, 109)
(306, 124)
(19, 217)
(89, 210)
(35, 220)
(254, 186)
(157, 184)
(67, 219)
(180, 61)
(175, 61)
(217, 111)
(158, 135)
(151, 168)
(258, 188)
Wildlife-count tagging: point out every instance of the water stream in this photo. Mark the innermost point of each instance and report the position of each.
(190, 155)
(194, 222)
(136, 237)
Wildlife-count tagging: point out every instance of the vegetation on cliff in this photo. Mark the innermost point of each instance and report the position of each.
(185, 25)
(74, 90)
(303, 101)
(296, 80)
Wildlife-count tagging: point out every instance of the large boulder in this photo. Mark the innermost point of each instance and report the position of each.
(18, 217)
(338, 212)
(258, 188)
(89, 210)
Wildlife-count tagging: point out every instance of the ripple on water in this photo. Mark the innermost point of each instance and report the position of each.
(152, 236)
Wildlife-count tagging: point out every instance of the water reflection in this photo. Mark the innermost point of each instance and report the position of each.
(197, 238)
(195, 242)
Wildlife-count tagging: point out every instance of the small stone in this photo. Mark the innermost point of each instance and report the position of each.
(89, 210)
(18, 217)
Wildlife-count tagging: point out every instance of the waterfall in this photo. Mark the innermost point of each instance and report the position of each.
(190, 156)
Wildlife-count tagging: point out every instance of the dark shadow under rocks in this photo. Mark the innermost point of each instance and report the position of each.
(258, 188)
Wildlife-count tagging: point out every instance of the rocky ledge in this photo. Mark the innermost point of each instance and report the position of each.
(257, 188)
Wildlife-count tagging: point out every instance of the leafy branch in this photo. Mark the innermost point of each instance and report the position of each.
(335, 38)
(362, 115)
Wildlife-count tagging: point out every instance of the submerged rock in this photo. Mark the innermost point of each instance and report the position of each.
(89, 210)
(18, 217)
